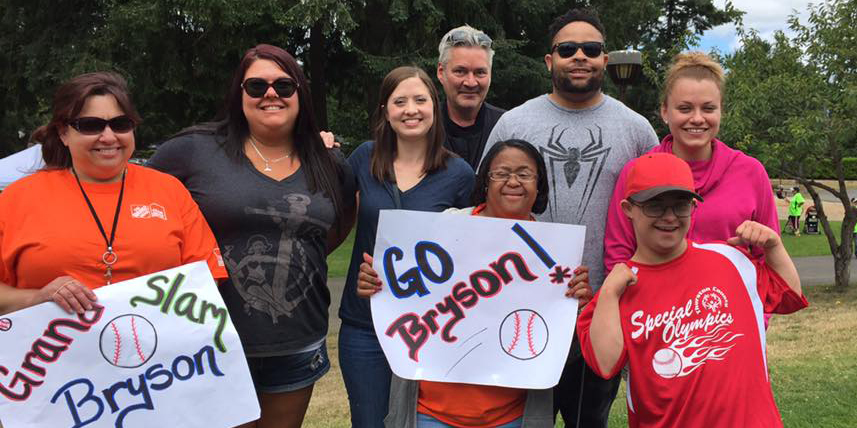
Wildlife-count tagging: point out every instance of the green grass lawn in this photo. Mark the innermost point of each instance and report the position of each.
(338, 260)
(809, 245)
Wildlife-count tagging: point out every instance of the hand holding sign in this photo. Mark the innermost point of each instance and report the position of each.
(368, 282)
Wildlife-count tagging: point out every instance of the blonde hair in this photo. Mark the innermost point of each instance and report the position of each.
(693, 65)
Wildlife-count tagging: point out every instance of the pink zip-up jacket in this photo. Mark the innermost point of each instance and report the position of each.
(735, 187)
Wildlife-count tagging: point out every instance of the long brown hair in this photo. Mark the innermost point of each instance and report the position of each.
(322, 171)
(384, 151)
(67, 104)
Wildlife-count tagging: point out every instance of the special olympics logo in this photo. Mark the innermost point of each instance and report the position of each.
(711, 299)
(128, 341)
(523, 334)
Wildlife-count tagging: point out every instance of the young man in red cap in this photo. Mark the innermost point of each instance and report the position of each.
(686, 317)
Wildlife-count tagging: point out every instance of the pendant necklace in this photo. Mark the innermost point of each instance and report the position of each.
(267, 162)
(109, 257)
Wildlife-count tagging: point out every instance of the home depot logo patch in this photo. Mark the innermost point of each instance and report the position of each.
(152, 210)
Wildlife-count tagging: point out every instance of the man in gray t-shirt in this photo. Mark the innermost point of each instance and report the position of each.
(586, 137)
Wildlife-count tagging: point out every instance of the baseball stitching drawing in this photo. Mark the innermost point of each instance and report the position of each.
(128, 341)
(523, 334)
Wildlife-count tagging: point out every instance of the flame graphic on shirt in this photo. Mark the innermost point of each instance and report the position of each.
(685, 355)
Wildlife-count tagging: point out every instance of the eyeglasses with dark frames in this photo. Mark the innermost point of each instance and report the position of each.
(256, 87)
(681, 209)
(522, 176)
(464, 37)
(95, 125)
(568, 49)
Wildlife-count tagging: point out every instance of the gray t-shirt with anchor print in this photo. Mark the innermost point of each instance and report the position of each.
(584, 151)
(272, 236)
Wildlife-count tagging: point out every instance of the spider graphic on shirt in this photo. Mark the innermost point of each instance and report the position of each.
(594, 154)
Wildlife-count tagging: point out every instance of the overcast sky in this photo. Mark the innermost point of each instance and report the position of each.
(766, 16)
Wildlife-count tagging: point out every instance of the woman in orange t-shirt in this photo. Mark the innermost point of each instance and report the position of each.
(89, 217)
(511, 183)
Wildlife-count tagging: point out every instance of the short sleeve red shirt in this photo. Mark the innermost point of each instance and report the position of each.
(694, 339)
(47, 229)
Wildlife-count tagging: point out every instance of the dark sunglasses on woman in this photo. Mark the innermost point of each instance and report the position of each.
(568, 49)
(96, 125)
(256, 87)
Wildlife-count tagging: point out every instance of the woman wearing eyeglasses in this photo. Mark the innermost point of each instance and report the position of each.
(405, 167)
(89, 218)
(278, 202)
(511, 183)
(735, 186)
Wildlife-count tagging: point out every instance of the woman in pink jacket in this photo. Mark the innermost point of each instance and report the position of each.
(735, 186)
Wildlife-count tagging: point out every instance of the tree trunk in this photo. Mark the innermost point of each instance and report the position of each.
(318, 84)
(842, 268)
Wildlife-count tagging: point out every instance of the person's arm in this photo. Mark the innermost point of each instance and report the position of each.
(619, 239)
(606, 329)
(776, 256)
(66, 291)
(350, 202)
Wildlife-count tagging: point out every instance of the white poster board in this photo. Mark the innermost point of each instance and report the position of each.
(156, 351)
(475, 300)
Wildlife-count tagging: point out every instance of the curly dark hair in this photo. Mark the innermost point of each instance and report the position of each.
(588, 16)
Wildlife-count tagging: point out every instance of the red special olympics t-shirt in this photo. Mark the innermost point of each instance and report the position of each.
(694, 339)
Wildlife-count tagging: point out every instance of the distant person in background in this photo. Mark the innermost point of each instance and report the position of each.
(464, 69)
(795, 210)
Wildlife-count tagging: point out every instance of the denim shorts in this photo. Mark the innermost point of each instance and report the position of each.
(286, 373)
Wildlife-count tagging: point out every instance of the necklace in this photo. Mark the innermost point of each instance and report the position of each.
(109, 257)
(267, 162)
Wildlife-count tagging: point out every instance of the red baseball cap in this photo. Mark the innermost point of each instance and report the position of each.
(656, 173)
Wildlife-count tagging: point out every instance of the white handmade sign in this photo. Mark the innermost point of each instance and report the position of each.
(158, 350)
(473, 299)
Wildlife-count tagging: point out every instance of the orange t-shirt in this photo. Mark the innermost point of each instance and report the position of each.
(468, 405)
(47, 229)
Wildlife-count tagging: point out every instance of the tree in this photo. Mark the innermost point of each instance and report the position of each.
(791, 104)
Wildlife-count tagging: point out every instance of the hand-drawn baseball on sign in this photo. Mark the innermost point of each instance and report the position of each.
(5, 324)
(128, 341)
(523, 334)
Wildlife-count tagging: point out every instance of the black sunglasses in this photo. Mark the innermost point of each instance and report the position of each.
(568, 49)
(96, 125)
(463, 37)
(256, 87)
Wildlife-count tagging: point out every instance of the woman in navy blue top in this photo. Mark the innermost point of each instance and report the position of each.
(405, 167)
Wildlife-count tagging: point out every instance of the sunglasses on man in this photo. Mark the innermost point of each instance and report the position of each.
(256, 87)
(96, 125)
(568, 49)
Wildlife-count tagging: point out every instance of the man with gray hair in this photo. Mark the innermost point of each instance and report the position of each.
(464, 70)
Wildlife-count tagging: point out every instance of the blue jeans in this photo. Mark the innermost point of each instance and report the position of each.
(426, 421)
(366, 374)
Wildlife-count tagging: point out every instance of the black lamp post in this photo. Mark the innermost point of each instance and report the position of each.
(625, 68)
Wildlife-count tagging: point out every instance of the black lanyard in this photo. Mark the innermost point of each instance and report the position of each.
(109, 257)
